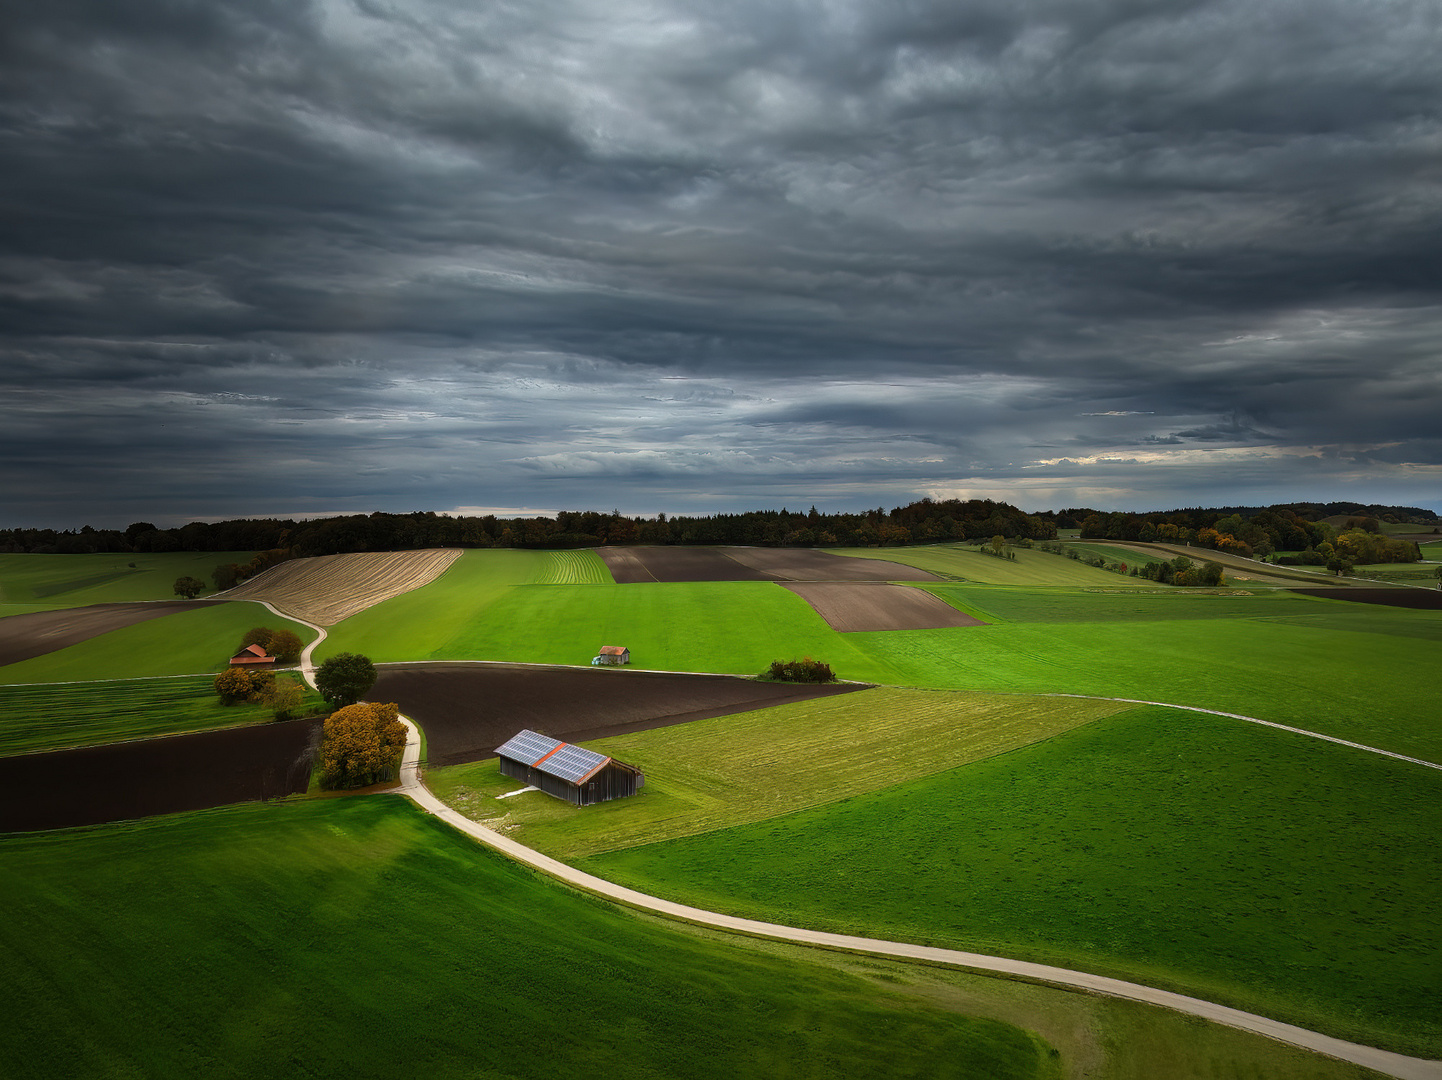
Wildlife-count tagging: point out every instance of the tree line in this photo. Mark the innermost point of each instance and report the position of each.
(1260, 530)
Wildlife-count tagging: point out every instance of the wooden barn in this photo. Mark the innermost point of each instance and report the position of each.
(613, 654)
(251, 656)
(568, 772)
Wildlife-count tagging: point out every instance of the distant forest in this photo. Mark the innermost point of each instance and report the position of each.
(1245, 530)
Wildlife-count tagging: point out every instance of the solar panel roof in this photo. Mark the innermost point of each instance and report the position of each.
(528, 746)
(551, 756)
(572, 763)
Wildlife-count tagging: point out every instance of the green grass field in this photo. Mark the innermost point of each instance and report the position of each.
(60, 715)
(1281, 874)
(1030, 567)
(186, 643)
(1345, 669)
(75, 580)
(360, 938)
(756, 765)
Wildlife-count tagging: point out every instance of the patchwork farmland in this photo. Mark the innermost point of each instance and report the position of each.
(1239, 863)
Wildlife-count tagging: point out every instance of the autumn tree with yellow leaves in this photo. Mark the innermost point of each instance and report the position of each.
(361, 745)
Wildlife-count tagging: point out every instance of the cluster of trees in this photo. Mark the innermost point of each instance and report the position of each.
(805, 670)
(1182, 571)
(1257, 536)
(283, 644)
(283, 697)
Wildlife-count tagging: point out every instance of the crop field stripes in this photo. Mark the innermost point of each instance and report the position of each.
(1263, 723)
(330, 588)
(578, 567)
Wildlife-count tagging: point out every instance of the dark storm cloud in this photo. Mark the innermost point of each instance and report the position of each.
(686, 256)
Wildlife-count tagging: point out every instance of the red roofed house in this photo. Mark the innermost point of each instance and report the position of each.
(250, 656)
(613, 654)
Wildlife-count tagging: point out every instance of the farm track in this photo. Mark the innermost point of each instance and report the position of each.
(1386, 1062)
(326, 589)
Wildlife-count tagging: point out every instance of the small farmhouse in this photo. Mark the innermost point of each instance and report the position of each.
(251, 656)
(568, 772)
(612, 654)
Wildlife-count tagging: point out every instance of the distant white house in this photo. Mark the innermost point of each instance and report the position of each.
(612, 655)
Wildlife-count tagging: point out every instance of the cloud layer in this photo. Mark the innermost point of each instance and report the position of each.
(280, 257)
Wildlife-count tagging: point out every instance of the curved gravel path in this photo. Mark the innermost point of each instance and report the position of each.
(1383, 1061)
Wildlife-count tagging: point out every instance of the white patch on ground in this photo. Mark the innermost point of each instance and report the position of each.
(518, 791)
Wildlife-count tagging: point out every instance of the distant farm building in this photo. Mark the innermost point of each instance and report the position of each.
(568, 772)
(250, 656)
(613, 655)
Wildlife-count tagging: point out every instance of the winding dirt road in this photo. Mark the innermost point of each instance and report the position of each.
(1383, 1061)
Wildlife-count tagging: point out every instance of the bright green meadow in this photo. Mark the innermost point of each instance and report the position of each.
(1280, 874)
(185, 643)
(47, 581)
(752, 766)
(966, 562)
(58, 715)
(362, 938)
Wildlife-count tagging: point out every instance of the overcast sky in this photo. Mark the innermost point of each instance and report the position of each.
(279, 257)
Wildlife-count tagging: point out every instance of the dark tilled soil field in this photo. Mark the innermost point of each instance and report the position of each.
(634, 565)
(96, 784)
(631, 565)
(467, 710)
(859, 606)
(1427, 599)
(802, 564)
(41, 632)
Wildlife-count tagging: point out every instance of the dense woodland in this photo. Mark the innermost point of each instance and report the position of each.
(1295, 528)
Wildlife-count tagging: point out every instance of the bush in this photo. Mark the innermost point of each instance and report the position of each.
(188, 586)
(241, 684)
(805, 670)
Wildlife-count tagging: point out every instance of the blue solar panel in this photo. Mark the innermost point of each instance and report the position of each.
(528, 746)
(571, 763)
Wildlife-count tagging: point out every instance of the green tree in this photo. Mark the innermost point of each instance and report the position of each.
(361, 745)
(257, 635)
(998, 544)
(285, 645)
(189, 587)
(284, 698)
(345, 678)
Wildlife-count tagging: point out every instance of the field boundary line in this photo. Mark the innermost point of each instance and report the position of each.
(1255, 720)
(1392, 1064)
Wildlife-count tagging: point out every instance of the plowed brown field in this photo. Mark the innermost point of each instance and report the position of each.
(467, 710)
(41, 632)
(632, 565)
(326, 589)
(121, 781)
(858, 606)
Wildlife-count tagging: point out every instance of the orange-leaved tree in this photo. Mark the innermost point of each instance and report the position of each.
(361, 745)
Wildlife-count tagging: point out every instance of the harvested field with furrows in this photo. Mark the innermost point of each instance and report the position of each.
(326, 589)
(633, 565)
(121, 781)
(860, 606)
(39, 632)
(467, 710)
